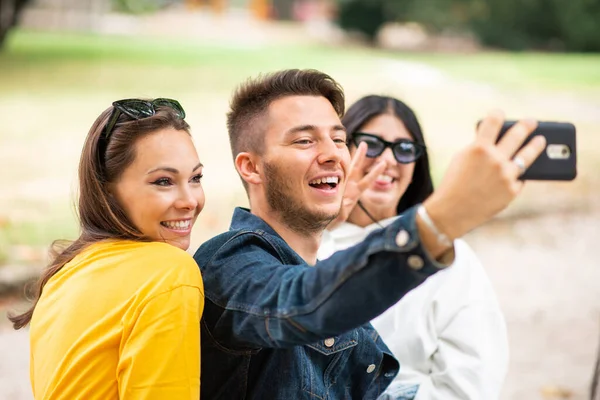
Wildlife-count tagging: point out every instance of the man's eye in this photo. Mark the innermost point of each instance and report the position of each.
(303, 141)
(339, 140)
(162, 182)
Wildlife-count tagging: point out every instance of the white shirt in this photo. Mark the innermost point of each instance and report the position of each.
(448, 334)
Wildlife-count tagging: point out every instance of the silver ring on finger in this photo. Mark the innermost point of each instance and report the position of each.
(520, 163)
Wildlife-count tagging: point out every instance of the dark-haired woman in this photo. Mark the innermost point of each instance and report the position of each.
(448, 334)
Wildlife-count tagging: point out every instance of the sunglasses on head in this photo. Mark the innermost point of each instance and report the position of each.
(139, 109)
(405, 151)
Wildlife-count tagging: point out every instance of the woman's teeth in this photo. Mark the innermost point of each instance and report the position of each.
(385, 178)
(180, 225)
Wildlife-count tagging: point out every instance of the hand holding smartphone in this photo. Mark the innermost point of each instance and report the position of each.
(558, 162)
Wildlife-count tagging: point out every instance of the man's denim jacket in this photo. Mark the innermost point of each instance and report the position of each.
(275, 328)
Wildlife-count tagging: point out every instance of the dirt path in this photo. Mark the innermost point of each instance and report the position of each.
(547, 279)
(14, 366)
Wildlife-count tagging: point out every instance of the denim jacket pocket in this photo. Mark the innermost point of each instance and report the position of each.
(329, 358)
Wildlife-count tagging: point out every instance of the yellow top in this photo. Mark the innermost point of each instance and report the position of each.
(120, 321)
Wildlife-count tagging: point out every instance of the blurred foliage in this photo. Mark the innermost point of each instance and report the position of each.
(10, 11)
(572, 25)
(141, 6)
(4, 248)
(363, 16)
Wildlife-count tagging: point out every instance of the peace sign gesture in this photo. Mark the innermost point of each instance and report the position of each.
(356, 183)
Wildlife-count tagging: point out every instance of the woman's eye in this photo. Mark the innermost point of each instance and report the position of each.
(197, 178)
(162, 182)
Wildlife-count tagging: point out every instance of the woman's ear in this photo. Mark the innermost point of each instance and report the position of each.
(248, 167)
(111, 189)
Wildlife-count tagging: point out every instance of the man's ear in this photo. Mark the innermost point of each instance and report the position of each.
(247, 165)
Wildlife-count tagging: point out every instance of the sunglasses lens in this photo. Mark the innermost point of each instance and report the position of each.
(406, 152)
(135, 108)
(174, 104)
(374, 146)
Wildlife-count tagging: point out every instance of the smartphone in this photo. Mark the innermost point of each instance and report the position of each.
(558, 161)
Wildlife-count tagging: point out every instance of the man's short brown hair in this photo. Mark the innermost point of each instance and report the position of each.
(252, 98)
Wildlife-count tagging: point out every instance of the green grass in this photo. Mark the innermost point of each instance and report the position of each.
(40, 232)
(26, 51)
(548, 71)
(47, 60)
(53, 221)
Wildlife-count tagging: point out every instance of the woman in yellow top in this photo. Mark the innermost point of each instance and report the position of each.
(117, 315)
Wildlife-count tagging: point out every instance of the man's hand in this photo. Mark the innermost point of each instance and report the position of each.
(483, 178)
(356, 183)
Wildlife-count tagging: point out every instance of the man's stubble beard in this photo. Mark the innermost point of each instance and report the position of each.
(294, 214)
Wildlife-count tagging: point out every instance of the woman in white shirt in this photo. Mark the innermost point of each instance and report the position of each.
(448, 333)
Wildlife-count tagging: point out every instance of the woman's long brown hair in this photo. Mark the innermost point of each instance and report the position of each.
(100, 215)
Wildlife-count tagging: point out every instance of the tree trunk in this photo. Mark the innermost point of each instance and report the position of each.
(595, 389)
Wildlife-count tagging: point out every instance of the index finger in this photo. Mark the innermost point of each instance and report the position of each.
(358, 159)
(489, 128)
(370, 178)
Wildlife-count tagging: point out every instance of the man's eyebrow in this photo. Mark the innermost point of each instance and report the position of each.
(301, 128)
(308, 127)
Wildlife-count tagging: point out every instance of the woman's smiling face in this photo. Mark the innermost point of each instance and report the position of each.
(382, 197)
(161, 191)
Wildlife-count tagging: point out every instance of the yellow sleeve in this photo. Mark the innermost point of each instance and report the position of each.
(160, 355)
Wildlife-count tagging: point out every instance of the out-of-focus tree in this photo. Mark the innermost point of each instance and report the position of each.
(363, 16)
(595, 386)
(572, 25)
(580, 23)
(283, 9)
(10, 11)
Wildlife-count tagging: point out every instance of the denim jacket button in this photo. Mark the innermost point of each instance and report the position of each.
(402, 238)
(329, 342)
(370, 368)
(415, 262)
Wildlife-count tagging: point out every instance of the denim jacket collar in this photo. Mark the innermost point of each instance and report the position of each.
(244, 220)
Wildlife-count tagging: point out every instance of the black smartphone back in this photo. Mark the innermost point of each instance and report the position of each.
(558, 162)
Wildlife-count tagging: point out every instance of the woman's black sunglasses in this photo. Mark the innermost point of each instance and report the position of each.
(405, 151)
(139, 109)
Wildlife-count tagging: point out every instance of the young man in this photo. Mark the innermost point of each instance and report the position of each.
(279, 325)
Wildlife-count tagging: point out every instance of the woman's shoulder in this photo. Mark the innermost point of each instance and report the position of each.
(162, 250)
(154, 260)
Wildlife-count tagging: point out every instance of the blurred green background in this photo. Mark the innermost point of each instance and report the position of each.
(64, 62)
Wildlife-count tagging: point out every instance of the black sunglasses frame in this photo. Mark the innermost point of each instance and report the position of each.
(419, 148)
(138, 109)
